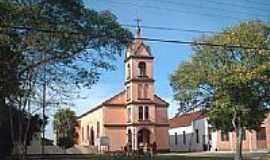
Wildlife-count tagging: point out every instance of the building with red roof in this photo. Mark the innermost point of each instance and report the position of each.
(192, 132)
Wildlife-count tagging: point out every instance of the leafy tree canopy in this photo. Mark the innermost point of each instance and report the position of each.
(232, 84)
(74, 42)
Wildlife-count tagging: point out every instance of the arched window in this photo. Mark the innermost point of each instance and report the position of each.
(146, 112)
(129, 136)
(184, 137)
(129, 115)
(145, 91)
(128, 93)
(88, 132)
(175, 138)
(141, 113)
(128, 71)
(82, 133)
(142, 69)
(92, 142)
(98, 129)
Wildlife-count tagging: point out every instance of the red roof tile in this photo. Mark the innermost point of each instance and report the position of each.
(185, 119)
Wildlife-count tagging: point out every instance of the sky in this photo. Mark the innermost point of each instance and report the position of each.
(203, 15)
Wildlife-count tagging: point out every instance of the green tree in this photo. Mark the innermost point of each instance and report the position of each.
(64, 125)
(61, 43)
(231, 84)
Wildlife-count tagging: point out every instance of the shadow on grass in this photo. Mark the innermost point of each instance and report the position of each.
(159, 158)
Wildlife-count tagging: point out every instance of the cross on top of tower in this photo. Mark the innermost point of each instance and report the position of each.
(138, 20)
(138, 29)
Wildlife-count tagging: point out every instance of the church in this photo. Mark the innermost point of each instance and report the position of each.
(136, 115)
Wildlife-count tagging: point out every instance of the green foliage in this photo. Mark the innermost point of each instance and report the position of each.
(60, 42)
(228, 82)
(74, 42)
(64, 125)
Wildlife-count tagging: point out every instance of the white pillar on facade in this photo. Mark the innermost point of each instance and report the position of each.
(134, 139)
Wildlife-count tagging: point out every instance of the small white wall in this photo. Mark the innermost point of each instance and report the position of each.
(214, 140)
(191, 143)
(180, 146)
(202, 126)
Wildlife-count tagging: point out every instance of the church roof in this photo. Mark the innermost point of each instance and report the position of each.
(120, 99)
(160, 101)
(119, 95)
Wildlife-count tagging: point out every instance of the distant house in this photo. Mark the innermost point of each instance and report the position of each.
(192, 132)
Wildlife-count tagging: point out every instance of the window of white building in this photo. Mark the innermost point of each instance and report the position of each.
(184, 137)
(197, 136)
(175, 138)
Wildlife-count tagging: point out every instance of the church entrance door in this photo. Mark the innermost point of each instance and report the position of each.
(143, 138)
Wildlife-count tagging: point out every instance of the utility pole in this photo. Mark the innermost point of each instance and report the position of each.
(43, 115)
(43, 106)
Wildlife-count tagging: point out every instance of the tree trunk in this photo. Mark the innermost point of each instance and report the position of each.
(18, 150)
(236, 122)
(238, 151)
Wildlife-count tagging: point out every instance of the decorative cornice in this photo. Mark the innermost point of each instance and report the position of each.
(139, 80)
(162, 105)
(141, 102)
(145, 123)
(115, 125)
(114, 105)
(124, 105)
(137, 124)
(138, 57)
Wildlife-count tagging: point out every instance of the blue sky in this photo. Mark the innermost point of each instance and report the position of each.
(206, 15)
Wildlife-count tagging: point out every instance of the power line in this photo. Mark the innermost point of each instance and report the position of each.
(237, 5)
(181, 4)
(148, 39)
(170, 29)
(124, 25)
(179, 10)
(202, 43)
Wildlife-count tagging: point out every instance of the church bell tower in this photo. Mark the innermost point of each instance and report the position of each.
(140, 92)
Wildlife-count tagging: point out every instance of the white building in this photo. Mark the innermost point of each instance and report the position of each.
(190, 132)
